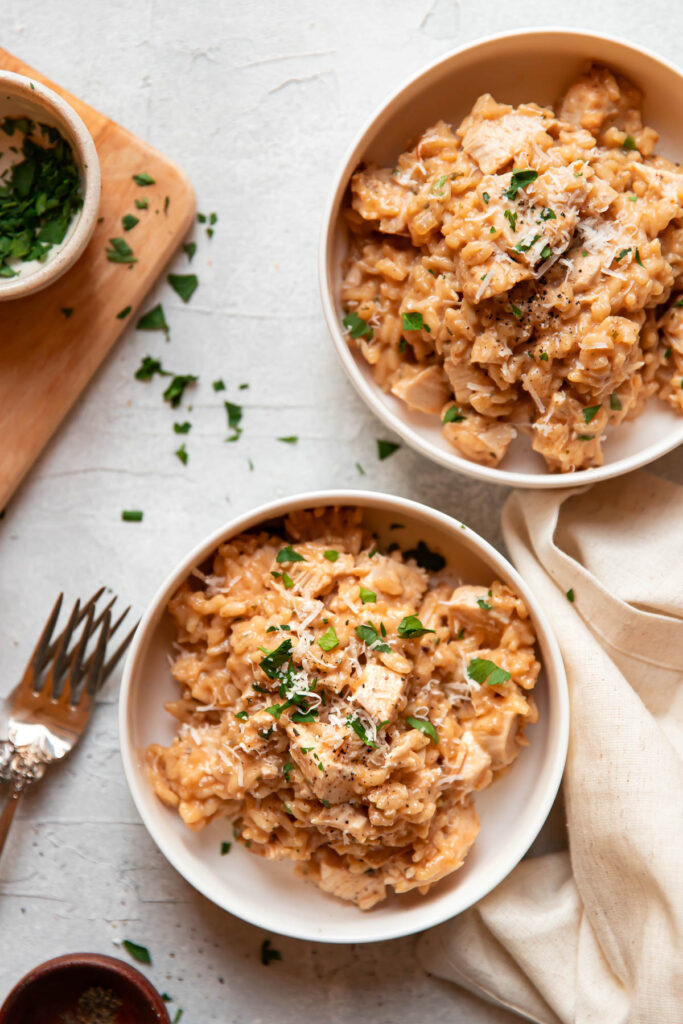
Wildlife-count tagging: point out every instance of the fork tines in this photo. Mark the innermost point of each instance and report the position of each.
(78, 653)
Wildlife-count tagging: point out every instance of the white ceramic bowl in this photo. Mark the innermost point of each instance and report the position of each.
(515, 67)
(269, 894)
(23, 97)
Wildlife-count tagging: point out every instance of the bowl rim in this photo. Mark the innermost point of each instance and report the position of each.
(89, 165)
(555, 675)
(101, 961)
(367, 389)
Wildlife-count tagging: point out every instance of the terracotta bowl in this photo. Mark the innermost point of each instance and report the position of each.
(54, 988)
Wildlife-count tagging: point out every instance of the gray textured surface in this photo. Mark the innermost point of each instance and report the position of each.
(258, 102)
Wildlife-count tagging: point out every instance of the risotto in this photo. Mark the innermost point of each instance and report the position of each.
(343, 705)
(523, 273)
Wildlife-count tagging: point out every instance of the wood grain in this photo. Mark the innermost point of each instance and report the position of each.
(46, 360)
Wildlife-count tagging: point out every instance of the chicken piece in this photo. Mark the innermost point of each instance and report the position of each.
(331, 873)
(453, 831)
(324, 754)
(494, 134)
(497, 735)
(421, 387)
(564, 439)
(609, 107)
(480, 439)
(381, 692)
(607, 356)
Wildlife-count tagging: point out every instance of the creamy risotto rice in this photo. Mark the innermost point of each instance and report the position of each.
(523, 273)
(342, 705)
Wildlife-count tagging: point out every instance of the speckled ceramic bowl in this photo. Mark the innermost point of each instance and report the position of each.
(269, 894)
(527, 65)
(22, 97)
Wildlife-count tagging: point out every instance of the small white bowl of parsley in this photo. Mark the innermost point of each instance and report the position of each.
(49, 186)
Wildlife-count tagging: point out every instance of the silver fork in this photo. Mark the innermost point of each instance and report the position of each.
(44, 717)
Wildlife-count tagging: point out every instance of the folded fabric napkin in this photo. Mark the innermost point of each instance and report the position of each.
(596, 934)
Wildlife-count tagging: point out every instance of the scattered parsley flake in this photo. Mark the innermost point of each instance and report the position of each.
(132, 515)
(225, 848)
(242, 715)
(638, 259)
(570, 595)
(511, 218)
(183, 285)
(190, 248)
(453, 414)
(546, 252)
(620, 256)
(289, 439)
(142, 204)
(385, 449)
(486, 197)
(234, 414)
(359, 729)
(148, 367)
(516, 311)
(129, 221)
(614, 401)
(367, 596)
(287, 770)
(548, 214)
(144, 179)
(331, 555)
(176, 389)
(629, 143)
(219, 385)
(590, 412)
(154, 320)
(484, 605)
(181, 454)
(329, 640)
(120, 252)
(371, 636)
(357, 327)
(414, 322)
(360, 468)
(484, 671)
(139, 953)
(124, 313)
(519, 180)
(410, 627)
(288, 554)
(425, 726)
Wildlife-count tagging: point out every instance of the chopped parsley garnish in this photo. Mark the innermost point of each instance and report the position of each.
(331, 555)
(142, 204)
(285, 577)
(410, 627)
(287, 770)
(678, 303)
(190, 248)
(144, 179)
(132, 515)
(288, 554)
(484, 671)
(438, 185)
(274, 660)
(176, 389)
(357, 726)
(427, 559)
(154, 320)
(519, 180)
(453, 414)
(124, 313)
(516, 311)
(360, 468)
(386, 448)
(182, 428)
(570, 595)
(638, 259)
(357, 327)
(183, 285)
(304, 716)
(620, 256)
(181, 454)
(414, 322)
(234, 414)
(511, 218)
(329, 640)
(120, 252)
(148, 367)
(402, 345)
(543, 356)
(129, 221)
(38, 196)
(484, 605)
(548, 214)
(139, 953)
(225, 848)
(367, 596)
(525, 246)
(629, 143)
(614, 401)
(371, 636)
(585, 437)
(486, 197)
(546, 252)
(425, 726)
(268, 954)
(242, 715)
(590, 412)
(219, 385)
(289, 439)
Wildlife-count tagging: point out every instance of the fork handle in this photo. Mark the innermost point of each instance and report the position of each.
(8, 813)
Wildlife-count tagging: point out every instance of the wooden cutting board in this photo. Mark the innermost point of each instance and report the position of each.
(46, 360)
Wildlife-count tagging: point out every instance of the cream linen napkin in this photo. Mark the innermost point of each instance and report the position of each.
(596, 934)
